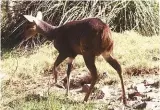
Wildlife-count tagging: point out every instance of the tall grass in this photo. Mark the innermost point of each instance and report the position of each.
(142, 16)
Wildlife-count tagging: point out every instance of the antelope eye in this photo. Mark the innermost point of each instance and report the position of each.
(30, 26)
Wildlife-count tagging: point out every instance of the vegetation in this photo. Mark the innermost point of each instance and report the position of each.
(28, 70)
(141, 16)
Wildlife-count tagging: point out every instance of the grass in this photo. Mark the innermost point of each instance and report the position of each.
(134, 50)
(25, 68)
(54, 102)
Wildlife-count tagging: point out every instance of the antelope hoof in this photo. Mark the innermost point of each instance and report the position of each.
(85, 99)
(55, 80)
(66, 94)
(124, 101)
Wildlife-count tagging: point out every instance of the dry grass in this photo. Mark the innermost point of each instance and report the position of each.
(131, 49)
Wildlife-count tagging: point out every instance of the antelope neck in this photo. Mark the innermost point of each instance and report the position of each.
(45, 29)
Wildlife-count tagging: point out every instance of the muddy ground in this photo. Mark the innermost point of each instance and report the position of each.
(142, 91)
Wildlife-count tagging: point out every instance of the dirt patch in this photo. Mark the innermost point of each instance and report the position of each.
(133, 71)
(106, 93)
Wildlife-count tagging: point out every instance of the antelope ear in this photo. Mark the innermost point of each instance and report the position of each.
(29, 18)
(39, 15)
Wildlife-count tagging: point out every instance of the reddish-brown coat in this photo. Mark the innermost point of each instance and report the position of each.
(80, 37)
(89, 37)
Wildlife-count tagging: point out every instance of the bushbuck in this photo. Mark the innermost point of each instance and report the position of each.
(88, 37)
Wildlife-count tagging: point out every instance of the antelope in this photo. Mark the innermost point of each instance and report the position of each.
(88, 37)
